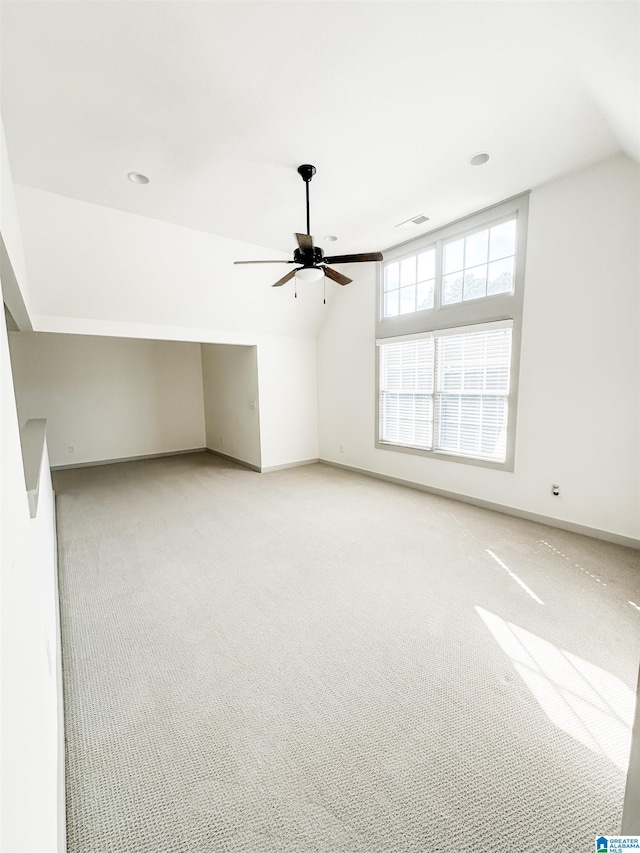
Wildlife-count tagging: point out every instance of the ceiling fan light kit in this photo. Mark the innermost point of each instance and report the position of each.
(309, 274)
(312, 260)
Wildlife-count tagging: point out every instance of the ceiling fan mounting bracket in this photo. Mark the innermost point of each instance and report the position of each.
(306, 171)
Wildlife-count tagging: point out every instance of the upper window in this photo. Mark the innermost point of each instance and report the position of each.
(409, 284)
(480, 264)
(448, 336)
(472, 266)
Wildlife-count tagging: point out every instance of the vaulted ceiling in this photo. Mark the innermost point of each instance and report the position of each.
(219, 102)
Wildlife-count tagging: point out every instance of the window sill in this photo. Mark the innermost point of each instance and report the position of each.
(507, 466)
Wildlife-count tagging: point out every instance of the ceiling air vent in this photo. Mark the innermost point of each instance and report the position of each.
(415, 220)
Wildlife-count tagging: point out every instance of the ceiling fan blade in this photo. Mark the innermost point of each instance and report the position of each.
(264, 262)
(337, 276)
(284, 279)
(354, 259)
(305, 242)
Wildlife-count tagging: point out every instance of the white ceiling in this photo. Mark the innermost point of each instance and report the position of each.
(219, 102)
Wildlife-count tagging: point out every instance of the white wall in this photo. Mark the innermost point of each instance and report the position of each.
(579, 404)
(98, 271)
(15, 287)
(31, 820)
(109, 397)
(32, 808)
(88, 261)
(288, 400)
(230, 385)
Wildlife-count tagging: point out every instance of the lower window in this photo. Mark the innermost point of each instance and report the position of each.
(447, 391)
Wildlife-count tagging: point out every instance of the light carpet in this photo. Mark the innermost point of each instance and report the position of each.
(312, 660)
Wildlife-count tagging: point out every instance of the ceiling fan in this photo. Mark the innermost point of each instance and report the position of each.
(313, 263)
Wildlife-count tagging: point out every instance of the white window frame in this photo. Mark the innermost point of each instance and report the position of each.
(460, 316)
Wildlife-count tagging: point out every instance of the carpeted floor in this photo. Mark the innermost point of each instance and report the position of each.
(311, 660)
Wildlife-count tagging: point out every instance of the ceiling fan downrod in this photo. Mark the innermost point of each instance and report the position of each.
(306, 171)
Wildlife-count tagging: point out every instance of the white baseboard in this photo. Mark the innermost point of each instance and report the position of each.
(227, 456)
(127, 459)
(235, 459)
(582, 529)
(270, 468)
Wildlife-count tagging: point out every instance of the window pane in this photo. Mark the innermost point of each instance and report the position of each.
(423, 421)
(493, 442)
(475, 283)
(391, 276)
(408, 271)
(449, 420)
(425, 294)
(472, 384)
(470, 423)
(389, 419)
(408, 299)
(452, 378)
(391, 304)
(406, 388)
(473, 378)
(454, 256)
(409, 366)
(393, 377)
(497, 377)
(473, 425)
(427, 265)
(424, 372)
(500, 276)
(503, 240)
(452, 289)
(475, 250)
(407, 419)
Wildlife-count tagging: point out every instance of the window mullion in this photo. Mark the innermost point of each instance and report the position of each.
(437, 296)
(437, 302)
(435, 426)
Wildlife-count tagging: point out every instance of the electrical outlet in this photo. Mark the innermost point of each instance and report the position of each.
(252, 404)
(71, 448)
(342, 448)
(555, 490)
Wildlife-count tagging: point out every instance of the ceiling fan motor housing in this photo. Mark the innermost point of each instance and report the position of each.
(309, 259)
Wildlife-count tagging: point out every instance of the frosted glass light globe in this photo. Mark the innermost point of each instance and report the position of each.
(309, 274)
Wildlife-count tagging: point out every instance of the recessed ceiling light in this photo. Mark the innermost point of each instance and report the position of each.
(479, 159)
(330, 238)
(137, 178)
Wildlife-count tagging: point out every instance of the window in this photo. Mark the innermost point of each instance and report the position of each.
(448, 393)
(406, 393)
(409, 284)
(480, 264)
(448, 337)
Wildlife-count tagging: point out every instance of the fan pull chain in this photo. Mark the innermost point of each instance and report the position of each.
(295, 287)
(324, 290)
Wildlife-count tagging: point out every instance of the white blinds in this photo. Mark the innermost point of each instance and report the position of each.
(447, 393)
(406, 393)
